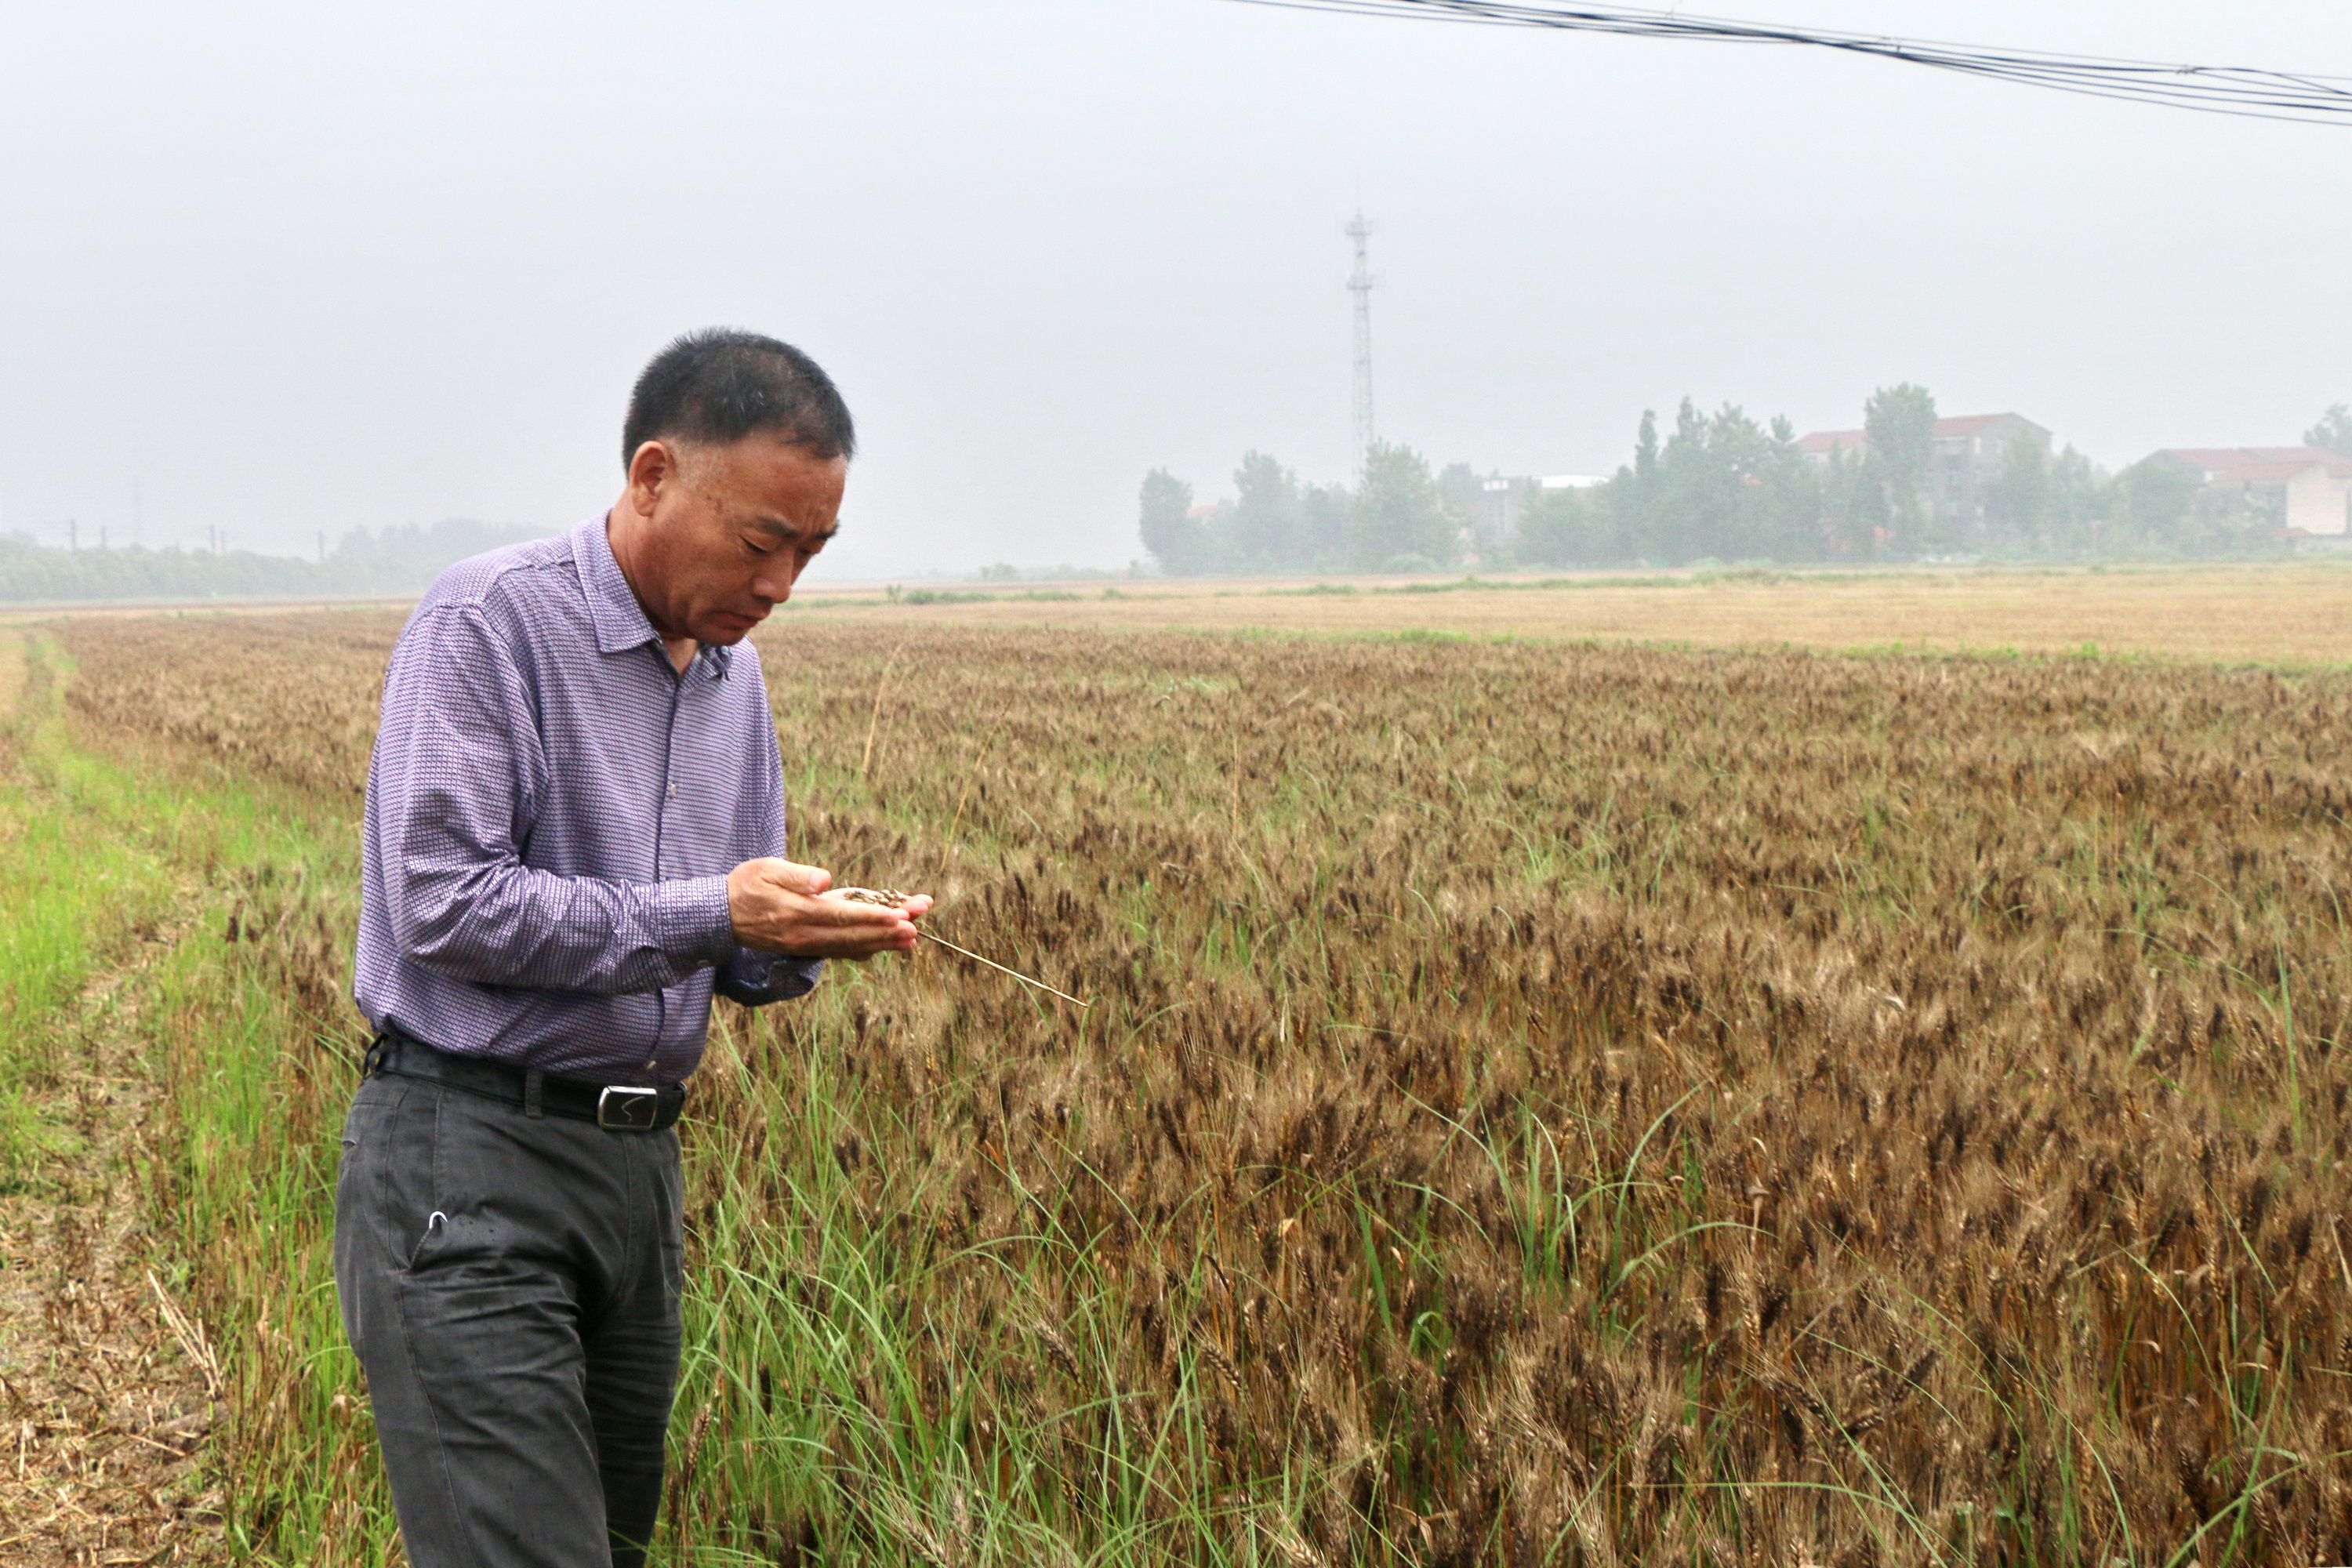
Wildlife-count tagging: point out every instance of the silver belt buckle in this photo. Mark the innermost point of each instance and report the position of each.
(626, 1108)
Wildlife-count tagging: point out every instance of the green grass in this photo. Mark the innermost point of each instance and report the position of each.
(97, 854)
(74, 898)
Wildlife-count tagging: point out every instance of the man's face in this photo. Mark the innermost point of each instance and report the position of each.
(727, 531)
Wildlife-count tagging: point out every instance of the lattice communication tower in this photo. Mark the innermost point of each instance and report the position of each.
(1359, 284)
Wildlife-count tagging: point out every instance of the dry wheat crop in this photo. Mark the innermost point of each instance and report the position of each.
(2290, 611)
(1538, 1104)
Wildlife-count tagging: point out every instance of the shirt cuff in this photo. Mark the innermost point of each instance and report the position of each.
(756, 979)
(690, 919)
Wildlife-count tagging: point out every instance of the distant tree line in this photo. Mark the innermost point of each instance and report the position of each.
(1716, 487)
(1399, 519)
(387, 563)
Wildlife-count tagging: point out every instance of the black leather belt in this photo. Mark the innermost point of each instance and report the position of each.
(615, 1107)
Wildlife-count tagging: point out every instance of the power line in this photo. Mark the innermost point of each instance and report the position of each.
(2295, 97)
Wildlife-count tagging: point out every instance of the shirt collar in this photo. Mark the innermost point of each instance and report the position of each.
(620, 621)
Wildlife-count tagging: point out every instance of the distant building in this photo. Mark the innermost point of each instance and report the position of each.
(1970, 452)
(1503, 501)
(1822, 445)
(2304, 490)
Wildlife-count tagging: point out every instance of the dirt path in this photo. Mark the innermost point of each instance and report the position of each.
(103, 1398)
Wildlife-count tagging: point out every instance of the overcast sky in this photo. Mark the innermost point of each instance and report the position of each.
(293, 268)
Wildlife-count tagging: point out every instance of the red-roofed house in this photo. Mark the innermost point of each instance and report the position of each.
(1822, 445)
(2306, 490)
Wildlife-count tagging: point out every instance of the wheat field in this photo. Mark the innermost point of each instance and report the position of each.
(1536, 1104)
(2291, 612)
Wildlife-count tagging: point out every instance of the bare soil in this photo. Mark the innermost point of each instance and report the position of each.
(102, 1401)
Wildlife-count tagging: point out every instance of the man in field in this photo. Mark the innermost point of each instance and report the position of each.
(574, 832)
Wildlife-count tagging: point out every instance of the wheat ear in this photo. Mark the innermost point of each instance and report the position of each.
(891, 898)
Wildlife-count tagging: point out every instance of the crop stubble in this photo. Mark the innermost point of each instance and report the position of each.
(1587, 1104)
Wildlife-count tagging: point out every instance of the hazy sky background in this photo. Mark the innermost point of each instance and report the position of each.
(293, 268)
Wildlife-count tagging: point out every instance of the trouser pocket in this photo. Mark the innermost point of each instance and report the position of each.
(384, 1197)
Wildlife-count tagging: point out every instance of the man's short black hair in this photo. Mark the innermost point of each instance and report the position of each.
(719, 386)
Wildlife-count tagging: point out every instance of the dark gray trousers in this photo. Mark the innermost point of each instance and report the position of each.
(511, 1285)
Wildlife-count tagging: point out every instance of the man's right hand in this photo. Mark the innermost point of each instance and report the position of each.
(779, 907)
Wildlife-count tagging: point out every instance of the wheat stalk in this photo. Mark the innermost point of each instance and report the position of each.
(973, 772)
(190, 1332)
(873, 719)
(891, 898)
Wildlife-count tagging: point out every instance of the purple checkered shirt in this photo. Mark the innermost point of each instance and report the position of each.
(551, 813)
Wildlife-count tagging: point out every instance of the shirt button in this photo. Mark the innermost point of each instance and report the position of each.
(673, 792)
(652, 1062)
